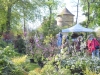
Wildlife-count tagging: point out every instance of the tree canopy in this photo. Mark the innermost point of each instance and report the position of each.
(14, 14)
(91, 9)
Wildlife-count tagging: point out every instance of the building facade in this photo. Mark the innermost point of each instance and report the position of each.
(65, 18)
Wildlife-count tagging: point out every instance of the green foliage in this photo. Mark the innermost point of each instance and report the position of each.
(45, 27)
(35, 72)
(17, 29)
(48, 27)
(47, 40)
(20, 45)
(79, 64)
(89, 72)
(19, 60)
(30, 66)
(98, 32)
(7, 67)
(94, 11)
(61, 64)
(9, 51)
(20, 9)
(2, 12)
(3, 44)
(37, 55)
(50, 69)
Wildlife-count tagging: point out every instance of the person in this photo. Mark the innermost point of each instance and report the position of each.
(78, 44)
(74, 36)
(74, 40)
(68, 45)
(59, 40)
(92, 44)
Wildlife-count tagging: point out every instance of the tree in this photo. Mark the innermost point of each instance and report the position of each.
(7, 6)
(46, 29)
(48, 25)
(51, 5)
(14, 11)
(91, 9)
(19, 12)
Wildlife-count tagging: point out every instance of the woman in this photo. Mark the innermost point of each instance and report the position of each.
(92, 44)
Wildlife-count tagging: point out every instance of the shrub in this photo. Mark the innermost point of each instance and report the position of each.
(7, 67)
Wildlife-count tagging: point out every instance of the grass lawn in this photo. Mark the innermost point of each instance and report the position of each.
(31, 66)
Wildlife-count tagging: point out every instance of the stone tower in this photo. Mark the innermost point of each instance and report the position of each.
(65, 18)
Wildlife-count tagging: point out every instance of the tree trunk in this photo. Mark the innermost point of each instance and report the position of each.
(50, 17)
(88, 14)
(2, 29)
(8, 27)
(77, 11)
(50, 11)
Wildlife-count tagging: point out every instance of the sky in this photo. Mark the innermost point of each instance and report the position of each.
(71, 6)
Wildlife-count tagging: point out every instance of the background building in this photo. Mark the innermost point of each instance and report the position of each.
(65, 18)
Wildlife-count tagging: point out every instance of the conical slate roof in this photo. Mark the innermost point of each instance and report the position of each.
(65, 11)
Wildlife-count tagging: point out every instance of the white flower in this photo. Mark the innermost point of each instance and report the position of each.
(62, 51)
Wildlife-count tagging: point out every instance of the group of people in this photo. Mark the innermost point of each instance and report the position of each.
(92, 43)
(71, 42)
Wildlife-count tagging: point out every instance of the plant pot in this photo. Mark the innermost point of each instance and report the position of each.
(31, 60)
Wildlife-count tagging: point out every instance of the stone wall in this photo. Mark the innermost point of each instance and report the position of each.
(65, 20)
